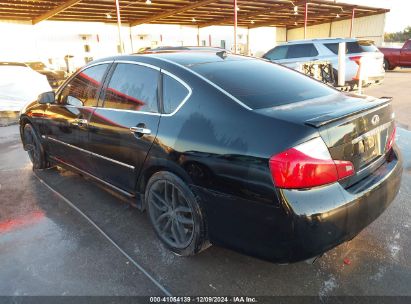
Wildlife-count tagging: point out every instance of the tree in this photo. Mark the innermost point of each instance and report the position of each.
(398, 36)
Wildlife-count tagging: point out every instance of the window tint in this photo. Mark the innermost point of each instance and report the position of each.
(367, 46)
(82, 89)
(301, 50)
(173, 93)
(351, 47)
(132, 87)
(261, 84)
(277, 53)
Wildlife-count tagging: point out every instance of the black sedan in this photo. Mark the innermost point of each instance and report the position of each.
(223, 149)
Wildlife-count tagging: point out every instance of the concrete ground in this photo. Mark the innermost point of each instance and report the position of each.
(397, 84)
(48, 246)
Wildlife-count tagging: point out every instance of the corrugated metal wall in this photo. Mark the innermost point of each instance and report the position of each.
(371, 27)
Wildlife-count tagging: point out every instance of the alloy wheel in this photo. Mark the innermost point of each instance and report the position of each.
(171, 214)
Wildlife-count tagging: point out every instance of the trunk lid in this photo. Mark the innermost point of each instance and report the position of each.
(354, 128)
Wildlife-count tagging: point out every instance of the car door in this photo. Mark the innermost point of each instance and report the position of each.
(123, 129)
(405, 57)
(66, 120)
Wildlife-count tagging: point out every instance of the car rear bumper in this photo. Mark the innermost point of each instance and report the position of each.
(307, 223)
(328, 216)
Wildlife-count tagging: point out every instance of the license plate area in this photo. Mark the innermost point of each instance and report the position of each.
(369, 149)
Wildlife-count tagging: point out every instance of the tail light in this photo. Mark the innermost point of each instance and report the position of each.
(391, 139)
(308, 165)
(356, 59)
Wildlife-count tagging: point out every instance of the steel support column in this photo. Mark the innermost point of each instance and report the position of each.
(120, 41)
(305, 20)
(235, 26)
(352, 22)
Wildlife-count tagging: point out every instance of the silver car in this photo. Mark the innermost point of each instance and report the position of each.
(293, 53)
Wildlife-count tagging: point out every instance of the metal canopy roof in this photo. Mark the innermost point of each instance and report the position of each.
(251, 13)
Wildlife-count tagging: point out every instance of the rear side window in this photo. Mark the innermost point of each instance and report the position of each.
(132, 87)
(277, 53)
(174, 93)
(82, 89)
(301, 50)
(261, 84)
(351, 47)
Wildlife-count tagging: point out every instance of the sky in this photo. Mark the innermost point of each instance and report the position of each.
(397, 19)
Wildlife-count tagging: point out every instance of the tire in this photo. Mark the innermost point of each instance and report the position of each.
(34, 148)
(175, 214)
(387, 66)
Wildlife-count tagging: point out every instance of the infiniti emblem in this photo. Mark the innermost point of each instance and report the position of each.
(375, 120)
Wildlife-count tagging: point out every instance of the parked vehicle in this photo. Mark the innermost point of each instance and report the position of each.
(293, 53)
(19, 85)
(54, 77)
(162, 49)
(227, 150)
(397, 57)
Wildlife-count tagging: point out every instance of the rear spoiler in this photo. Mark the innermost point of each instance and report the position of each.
(344, 113)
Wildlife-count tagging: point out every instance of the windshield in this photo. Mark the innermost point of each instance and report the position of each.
(261, 84)
(368, 46)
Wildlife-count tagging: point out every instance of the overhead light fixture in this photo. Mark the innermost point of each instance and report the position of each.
(252, 22)
(193, 20)
(295, 10)
(148, 2)
(108, 16)
(338, 16)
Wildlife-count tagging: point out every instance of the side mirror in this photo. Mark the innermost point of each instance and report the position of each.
(47, 97)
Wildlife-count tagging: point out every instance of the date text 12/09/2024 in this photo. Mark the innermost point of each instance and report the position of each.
(199, 299)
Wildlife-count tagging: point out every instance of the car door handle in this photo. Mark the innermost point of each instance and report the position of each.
(139, 130)
(79, 122)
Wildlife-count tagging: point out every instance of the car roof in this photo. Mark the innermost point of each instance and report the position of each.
(328, 40)
(185, 58)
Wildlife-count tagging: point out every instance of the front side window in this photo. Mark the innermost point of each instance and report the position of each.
(132, 87)
(302, 50)
(82, 90)
(173, 93)
(277, 53)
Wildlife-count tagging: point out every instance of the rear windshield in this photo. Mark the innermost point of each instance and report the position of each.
(368, 46)
(261, 84)
(351, 47)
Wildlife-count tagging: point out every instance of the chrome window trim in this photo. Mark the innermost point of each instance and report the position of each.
(78, 72)
(190, 91)
(133, 111)
(90, 153)
(209, 82)
(138, 63)
(129, 111)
